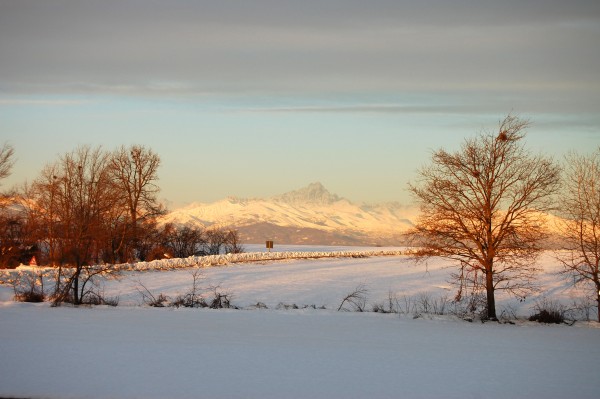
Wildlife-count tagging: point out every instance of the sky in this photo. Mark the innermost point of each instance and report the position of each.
(256, 98)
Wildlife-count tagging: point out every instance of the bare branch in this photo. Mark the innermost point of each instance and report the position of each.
(484, 206)
(357, 299)
(7, 161)
(580, 222)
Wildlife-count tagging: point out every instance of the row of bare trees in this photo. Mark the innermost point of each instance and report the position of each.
(485, 208)
(93, 206)
(184, 241)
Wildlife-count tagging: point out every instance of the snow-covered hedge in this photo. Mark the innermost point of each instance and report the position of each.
(221, 260)
(207, 261)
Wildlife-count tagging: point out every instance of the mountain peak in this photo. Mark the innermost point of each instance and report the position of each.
(314, 193)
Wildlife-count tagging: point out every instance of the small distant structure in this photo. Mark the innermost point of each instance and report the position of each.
(269, 245)
(33, 261)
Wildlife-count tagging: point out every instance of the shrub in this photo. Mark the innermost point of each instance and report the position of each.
(30, 296)
(286, 306)
(158, 302)
(189, 301)
(149, 299)
(393, 304)
(582, 309)
(548, 316)
(98, 298)
(357, 299)
(470, 307)
(29, 287)
(380, 308)
(220, 300)
(550, 312)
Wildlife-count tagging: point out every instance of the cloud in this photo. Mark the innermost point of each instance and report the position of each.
(365, 108)
(40, 102)
(181, 48)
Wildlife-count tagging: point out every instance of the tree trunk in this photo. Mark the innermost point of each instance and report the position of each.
(598, 304)
(75, 285)
(57, 287)
(136, 247)
(491, 301)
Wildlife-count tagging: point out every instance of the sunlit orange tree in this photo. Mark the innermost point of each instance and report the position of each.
(484, 207)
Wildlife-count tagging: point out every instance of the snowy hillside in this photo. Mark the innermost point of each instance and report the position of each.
(311, 215)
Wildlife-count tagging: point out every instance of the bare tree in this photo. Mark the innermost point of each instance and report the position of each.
(73, 198)
(232, 242)
(215, 240)
(17, 243)
(134, 172)
(183, 241)
(580, 223)
(7, 153)
(10, 224)
(483, 206)
(357, 299)
(41, 202)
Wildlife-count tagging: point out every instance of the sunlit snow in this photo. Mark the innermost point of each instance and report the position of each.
(135, 351)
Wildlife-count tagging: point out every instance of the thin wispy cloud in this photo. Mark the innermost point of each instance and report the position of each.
(365, 108)
(41, 102)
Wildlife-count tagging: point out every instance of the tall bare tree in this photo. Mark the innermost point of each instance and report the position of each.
(134, 171)
(72, 199)
(483, 207)
(580, 223)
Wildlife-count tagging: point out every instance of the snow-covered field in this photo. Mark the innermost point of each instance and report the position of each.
(135, 351)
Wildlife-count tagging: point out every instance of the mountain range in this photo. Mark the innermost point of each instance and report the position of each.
(310, 215)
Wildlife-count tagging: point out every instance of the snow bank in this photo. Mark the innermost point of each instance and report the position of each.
(205, 261)
(133, 353)
(221, 260)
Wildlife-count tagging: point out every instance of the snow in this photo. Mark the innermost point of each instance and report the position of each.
(135, 351)
(330, 214)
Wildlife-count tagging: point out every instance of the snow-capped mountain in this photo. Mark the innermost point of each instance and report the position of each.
(311, 215)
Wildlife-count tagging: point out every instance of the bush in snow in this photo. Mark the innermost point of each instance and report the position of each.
(150, 299)
(220, 300)
(391, 305)
(28, 285)
(259, 305)
(356, 300)
(508, 314)
(550, 312)
(97, 297)
(582, 309)
(192, 298)
(471, 307)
